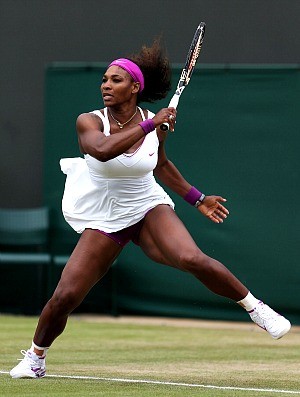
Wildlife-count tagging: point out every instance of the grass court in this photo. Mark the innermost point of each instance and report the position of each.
(147, 357)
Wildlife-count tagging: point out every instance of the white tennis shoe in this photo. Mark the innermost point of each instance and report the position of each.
(265, 317)
(31, 366)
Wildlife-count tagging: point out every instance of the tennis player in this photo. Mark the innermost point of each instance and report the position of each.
(112, 197)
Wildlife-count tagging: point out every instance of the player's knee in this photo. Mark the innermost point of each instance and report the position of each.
(64, 301)
(193, 261)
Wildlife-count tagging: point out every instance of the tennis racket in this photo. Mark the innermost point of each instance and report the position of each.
(188, 69)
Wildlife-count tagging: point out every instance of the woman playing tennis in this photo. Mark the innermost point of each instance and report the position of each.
(112, 197)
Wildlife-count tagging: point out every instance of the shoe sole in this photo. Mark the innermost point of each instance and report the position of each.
(27, 376)
(283, 332)
(23, 376)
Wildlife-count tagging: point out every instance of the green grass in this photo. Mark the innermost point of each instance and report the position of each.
(237, 356)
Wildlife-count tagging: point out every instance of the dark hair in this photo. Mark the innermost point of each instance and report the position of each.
(156, 69)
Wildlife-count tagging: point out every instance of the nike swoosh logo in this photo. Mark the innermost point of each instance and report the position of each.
(151, 154)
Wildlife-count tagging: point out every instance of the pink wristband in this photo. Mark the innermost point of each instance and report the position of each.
(147, 126)
(194, 196)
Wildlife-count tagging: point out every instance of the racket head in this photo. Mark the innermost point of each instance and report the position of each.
(193, 54)
(189, 67)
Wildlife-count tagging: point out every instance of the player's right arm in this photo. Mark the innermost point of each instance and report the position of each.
(89, 131)
(92, 140)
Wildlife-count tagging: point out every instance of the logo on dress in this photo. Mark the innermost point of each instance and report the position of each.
(151, 154)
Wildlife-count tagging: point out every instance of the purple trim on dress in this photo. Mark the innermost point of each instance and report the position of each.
(122, 237)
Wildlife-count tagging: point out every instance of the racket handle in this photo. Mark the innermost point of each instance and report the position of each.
(172, 104)
(164, 126)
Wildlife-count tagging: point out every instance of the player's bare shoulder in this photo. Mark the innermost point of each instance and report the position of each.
(88, 121)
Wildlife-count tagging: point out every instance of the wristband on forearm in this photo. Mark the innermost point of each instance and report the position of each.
(147, 126)
(194, 197)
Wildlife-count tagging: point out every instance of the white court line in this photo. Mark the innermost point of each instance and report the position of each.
(157, 382)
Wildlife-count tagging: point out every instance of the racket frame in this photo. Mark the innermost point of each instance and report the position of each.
(188, 69)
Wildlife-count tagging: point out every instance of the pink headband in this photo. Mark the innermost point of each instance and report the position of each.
(131, 68)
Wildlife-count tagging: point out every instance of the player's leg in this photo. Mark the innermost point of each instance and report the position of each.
(165, 239)
(90, 260)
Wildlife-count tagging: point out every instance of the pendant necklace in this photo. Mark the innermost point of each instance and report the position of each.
(121, 125)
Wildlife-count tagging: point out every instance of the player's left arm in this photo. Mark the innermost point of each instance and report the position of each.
(167, 172)
(171, 177)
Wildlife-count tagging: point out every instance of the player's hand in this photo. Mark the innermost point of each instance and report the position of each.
(166, 115)
(212, 208)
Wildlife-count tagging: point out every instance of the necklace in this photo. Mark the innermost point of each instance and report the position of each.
(121, 125)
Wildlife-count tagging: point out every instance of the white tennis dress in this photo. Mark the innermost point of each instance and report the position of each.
(115, 194)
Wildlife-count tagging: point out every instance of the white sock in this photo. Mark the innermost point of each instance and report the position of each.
(43, 349)
(249, 302)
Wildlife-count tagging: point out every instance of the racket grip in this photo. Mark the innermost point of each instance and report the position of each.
(172, 104)
(164, 126)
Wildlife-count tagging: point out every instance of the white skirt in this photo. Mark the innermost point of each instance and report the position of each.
(109, 206)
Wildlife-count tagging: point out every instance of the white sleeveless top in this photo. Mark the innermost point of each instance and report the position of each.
(115, 194)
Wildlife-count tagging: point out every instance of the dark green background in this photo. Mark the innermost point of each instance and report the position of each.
(237, 135)
(34, 33)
